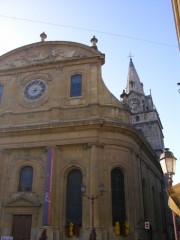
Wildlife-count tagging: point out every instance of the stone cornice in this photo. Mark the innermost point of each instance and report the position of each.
(66, 126)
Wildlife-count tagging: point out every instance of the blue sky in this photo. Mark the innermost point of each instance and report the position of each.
(144, 28)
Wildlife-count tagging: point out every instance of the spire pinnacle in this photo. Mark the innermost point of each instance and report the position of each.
(131, 63)
(133, 81)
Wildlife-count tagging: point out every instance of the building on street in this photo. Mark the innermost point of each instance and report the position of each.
(61, 129)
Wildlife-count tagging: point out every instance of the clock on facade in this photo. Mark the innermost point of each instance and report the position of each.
(35, 89)
(134, 103)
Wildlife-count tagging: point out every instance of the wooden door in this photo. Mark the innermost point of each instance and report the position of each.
(21, 227)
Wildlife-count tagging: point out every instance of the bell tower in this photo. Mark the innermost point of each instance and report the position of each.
(144, 114)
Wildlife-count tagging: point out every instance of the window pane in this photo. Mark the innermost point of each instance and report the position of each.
(118, 196)
(26, 177)
(76, 85)
(1, 91)
(74, 198)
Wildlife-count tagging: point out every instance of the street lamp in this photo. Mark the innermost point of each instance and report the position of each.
(168, 165)
(92, 198)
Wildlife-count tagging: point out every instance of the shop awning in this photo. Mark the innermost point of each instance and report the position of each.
(174, 198)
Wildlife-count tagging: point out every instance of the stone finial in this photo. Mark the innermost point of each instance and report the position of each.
(94, 40)
(43, 36)
(123, 95)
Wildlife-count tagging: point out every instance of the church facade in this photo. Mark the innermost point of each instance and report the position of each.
(61, 129)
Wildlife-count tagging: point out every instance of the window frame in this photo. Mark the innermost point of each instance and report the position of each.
(118, 192)
(73, 187)
(25, 184)
(76, 87)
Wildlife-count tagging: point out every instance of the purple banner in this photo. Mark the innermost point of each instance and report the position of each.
(48, 188)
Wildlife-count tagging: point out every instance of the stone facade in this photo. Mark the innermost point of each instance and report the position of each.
(92, 133)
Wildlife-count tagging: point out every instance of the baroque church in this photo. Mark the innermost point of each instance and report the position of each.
(75, 161)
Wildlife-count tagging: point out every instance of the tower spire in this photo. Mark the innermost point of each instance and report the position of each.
(133, 81)
(144, 115)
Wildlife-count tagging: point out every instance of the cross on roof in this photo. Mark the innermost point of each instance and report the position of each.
(130, 56)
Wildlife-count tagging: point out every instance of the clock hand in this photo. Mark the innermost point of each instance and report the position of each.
(34, 89)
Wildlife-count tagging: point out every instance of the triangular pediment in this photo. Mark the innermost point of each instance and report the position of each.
(44, 53)
(21, 201)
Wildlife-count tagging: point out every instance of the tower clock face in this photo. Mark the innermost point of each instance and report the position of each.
(134, 103)
(35, 89)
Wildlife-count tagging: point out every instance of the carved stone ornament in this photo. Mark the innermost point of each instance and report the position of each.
(41, 53)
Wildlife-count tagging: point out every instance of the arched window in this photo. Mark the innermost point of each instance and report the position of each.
(145, 200)
(26, 179)
(132, 83)
(118, 196)
(74, 198)
(137, 118)
(76, 85)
